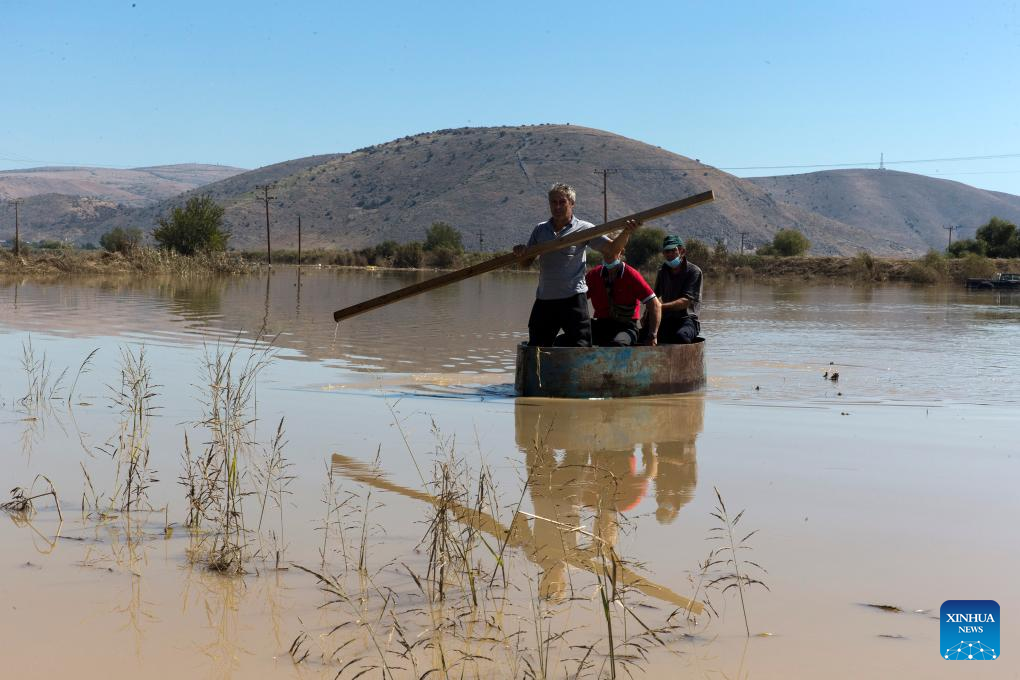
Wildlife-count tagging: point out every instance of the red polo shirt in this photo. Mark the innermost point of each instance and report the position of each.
(630, 288)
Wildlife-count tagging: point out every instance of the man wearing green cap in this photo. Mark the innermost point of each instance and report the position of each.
(678, 285)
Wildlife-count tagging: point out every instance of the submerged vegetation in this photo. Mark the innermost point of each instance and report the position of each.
(491, 590)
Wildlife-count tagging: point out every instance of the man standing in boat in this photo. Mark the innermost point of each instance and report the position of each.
(561, 302)
(617, 293)
(678, 285)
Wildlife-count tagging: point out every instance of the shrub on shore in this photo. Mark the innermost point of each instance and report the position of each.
(931, 268)
(119, 240)
(409, 255)
(195, 228)
(786, 243)
(975, 266)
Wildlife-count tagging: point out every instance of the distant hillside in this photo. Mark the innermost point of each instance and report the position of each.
(76, 217)
(901, 206)
(493, 181)
(134, 187)
(490, 183)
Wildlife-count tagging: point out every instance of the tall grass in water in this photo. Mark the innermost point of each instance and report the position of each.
(271, 482)
(737, 569)
(42, 385)
(130, 446)
(215, 476)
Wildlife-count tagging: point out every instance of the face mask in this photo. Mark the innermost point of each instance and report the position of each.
(675, 262)
(612, 265)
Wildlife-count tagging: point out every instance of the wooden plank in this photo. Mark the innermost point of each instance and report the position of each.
(510, 258)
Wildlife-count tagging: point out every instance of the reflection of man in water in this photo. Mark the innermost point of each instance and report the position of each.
(617, 485)
(676, 479)
(603, 469)
(553, 495)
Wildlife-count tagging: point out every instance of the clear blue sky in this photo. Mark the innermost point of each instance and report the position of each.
(737, 85)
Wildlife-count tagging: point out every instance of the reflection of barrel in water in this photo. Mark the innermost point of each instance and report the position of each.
(602, 456)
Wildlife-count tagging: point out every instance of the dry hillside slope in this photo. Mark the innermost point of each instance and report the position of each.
(131, 187)
(903, 206)
(492, 182)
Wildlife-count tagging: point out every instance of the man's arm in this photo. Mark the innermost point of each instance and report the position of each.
(520, 248)
(676, 305)
(654, 318)
(688, 296)
(612, 250)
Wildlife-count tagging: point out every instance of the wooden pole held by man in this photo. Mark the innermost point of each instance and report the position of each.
(527, 254)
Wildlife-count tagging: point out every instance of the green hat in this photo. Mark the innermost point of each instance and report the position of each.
(671, 242)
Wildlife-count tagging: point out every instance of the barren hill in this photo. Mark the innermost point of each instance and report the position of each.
(909, 208)
(134, 187)
(491, 183)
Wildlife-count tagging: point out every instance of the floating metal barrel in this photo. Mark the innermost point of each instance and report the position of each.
(594, 372)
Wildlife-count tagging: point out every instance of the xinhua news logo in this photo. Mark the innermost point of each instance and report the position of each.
(970, 630)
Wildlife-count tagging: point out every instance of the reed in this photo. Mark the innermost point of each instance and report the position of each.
(271, 482)
(215, 478)
(42, 385)
(83, 368)
(738, 569)
(22, 501)
(130, 448)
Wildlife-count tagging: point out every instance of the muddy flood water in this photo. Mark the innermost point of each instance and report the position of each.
(378, 502)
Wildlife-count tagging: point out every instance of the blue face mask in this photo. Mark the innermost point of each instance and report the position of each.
(612, 265)
(675, 262)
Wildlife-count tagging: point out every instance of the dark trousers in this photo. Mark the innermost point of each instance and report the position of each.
(678, 330)
(570, 314)
(611, 333)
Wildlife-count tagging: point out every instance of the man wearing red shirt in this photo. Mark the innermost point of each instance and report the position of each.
(617, 292)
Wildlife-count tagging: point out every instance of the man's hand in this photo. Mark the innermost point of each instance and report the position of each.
(631, 226)
(652, 341)
(519, 250)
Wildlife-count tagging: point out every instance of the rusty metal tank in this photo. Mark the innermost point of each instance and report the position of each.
(603, 372)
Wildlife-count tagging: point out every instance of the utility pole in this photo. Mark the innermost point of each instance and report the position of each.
(264, 188)
(605, 172)
(299, 240)
(17, 227)
(742, 235)
(950, 230)
(481, 241)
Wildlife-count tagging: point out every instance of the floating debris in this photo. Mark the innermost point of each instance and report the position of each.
(891, 608)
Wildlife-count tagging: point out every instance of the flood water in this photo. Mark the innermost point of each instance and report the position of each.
(894, 485)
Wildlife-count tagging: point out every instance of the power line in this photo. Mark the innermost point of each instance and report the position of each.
(882, 163)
